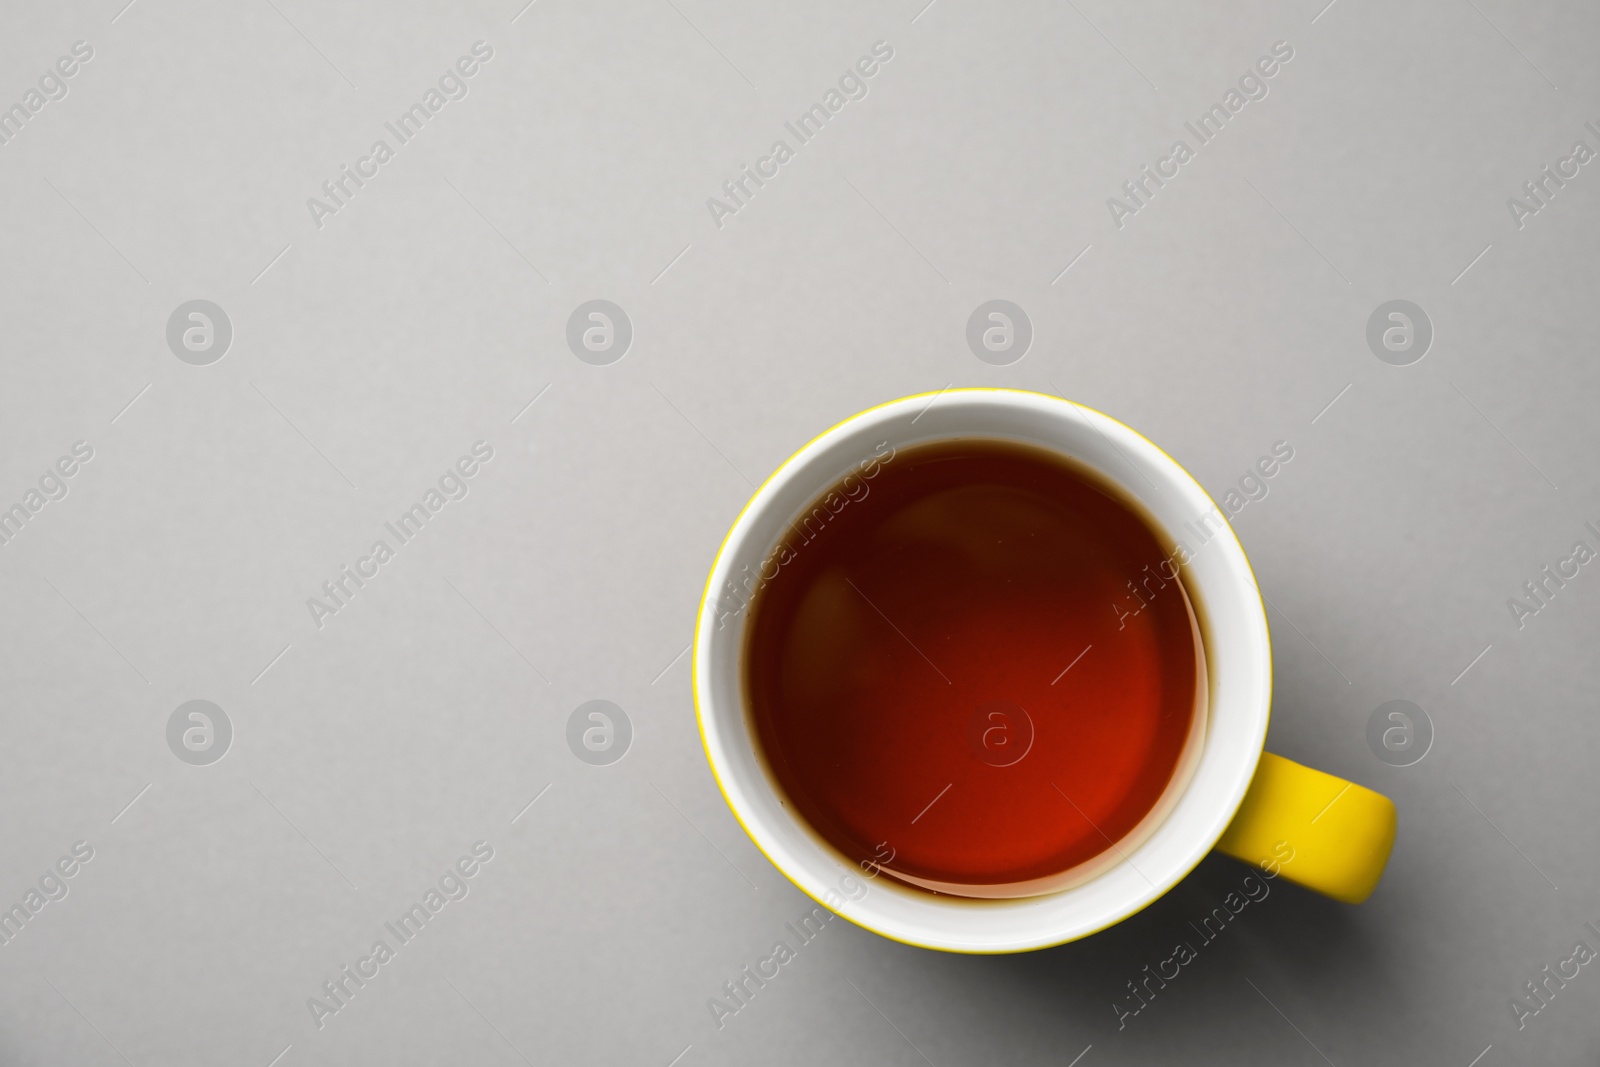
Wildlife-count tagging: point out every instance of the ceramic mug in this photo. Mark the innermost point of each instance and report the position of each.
(1325, 833)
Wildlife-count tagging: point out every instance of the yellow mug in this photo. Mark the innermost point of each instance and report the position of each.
(1325, 833)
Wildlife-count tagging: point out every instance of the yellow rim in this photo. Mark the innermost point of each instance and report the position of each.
(700, 717)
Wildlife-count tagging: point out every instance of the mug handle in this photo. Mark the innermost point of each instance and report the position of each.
(1323, 832)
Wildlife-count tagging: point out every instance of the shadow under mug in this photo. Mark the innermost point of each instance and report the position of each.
(1323, 832)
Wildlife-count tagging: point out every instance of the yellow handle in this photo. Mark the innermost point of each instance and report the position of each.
(1323, 832)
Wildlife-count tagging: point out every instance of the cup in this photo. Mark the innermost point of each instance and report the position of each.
(1313, 828)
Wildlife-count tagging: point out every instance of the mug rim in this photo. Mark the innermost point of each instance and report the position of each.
(1223, 808)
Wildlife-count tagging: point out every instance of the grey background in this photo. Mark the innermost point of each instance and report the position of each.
(370, 353)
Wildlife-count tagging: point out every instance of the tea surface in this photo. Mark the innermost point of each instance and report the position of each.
(977, 672)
